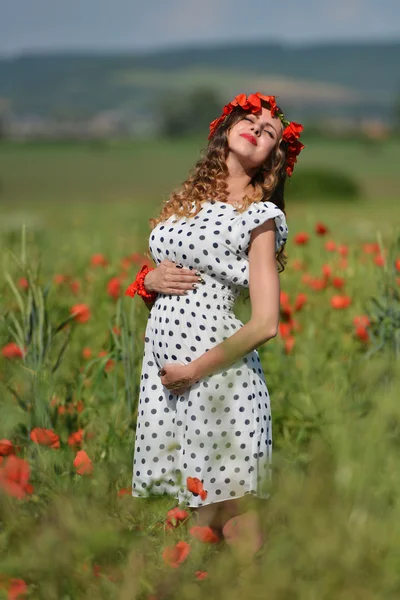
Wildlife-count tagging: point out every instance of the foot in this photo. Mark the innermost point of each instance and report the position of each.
(242, 533)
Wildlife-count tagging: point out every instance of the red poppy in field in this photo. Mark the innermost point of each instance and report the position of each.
(109, 364)
(301, 238)
(284, 329)
(320, 228)
(74, 286)
(45, 437)
(338, 282)
(81, 313)
(339, 302)
(175, 516)
(379, 260)
(297, 264)
(86, 353)
(82, 463)
(205, 534)
(60, 279)
(174, 556)
(124, 492)
(195, 486)
(98, 260)
(362, 333)
(286, 311)
(17, 589)
(116, 330)
(125, 263)
(11, 350)
(6, 448)
(14, 477)
(371, 248)
(23, 283)
(201, 575)
(397, 264)
(327, 271)
(343, 250)
(300, 301)
(114, 287)
(306, 278)
(76, 438)
(362, 320)
(283, 297)
(330, 246)
(289, 344)
(318, 284)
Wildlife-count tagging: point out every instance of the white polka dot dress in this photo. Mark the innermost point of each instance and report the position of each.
(219, 430)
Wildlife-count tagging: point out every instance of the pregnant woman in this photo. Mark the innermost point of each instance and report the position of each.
(204, 433)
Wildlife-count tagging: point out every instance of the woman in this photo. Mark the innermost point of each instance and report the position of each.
(204, 407)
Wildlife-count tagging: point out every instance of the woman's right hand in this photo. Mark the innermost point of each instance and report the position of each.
(167, 279)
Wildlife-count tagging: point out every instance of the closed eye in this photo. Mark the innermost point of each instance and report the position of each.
(269, 132)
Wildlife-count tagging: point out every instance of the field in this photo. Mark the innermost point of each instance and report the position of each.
(71, 530)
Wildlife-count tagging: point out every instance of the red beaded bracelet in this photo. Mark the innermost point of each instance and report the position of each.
(138, 286)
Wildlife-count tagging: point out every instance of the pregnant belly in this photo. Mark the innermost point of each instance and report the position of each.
(181, 329)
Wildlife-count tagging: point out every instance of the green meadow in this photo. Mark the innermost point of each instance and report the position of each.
(332, 523)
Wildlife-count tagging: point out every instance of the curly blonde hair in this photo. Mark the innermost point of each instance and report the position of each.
(207, 179)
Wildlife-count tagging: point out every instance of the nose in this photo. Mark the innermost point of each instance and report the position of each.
(256, 128)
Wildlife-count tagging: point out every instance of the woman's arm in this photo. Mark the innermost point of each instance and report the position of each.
(264, 295)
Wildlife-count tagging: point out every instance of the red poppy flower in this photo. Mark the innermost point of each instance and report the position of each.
(59, 279)
(175, 516)
(45, 437)
(173, 556)
(362, 333)
(289, 344)
(371, 248)
(23, 283)
(11, 350)
(124, 492)
(339, 302)
(204, 534)
(75, 286)
(330, 246)
(114, 287)
(82, 463)
(109, 364)
(338, 282)
(86, 353)
(301, 238)
(14, 477)
(284, 329)
(17, 589)
(81, 313)
(201, 575)
(343, 250)
(283, 297)
(98, 260)
(397, 264)
(300, 301)
(361, 320)
(379, 260)
(320, 228)
(318, 284)
(76, 439)
(195, 486)
(6, 448)
(327, 271)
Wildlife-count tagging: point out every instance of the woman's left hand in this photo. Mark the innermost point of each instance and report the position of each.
(177, 378)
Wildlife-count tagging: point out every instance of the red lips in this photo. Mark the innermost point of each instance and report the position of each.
(249, 137)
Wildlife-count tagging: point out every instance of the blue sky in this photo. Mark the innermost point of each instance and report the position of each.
(150, 24)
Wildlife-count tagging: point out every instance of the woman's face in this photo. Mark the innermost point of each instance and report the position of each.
(253, 138)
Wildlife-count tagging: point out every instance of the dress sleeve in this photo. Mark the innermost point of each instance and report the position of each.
(257, 214)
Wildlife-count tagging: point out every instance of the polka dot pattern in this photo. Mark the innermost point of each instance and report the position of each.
(220, 430)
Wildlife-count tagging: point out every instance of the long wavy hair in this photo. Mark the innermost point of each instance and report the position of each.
(208, 179)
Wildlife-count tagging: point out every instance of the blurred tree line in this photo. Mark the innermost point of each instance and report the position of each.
(189, 114)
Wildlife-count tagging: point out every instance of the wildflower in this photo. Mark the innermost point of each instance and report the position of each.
(289, 344)
(86, 353)
(175, 516)
(201, 575)
(76, 438)
(300, 239)
(81, 313)
(362, 320)
(343, 250)
(114, 287)
(82, 463)
(379, 260)
(17, 589)
(6, 448)
(23, 283)
(204, 534)
(338, 282)
(173, 556)
(195, 486)
(11, 350)
(75, 286)
(339, 302)
(300, 301)
(124, 492)
(109, 364)
(14, 477)
(45, 437)
(284, 329)
(98, 260)
(320, 228)
(330, 246)
(362, 333)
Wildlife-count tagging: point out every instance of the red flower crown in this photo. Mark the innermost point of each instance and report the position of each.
(252, 103)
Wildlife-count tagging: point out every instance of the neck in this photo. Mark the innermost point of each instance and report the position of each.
(239, 178)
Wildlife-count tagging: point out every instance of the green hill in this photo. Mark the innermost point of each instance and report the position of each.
(349, 79)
